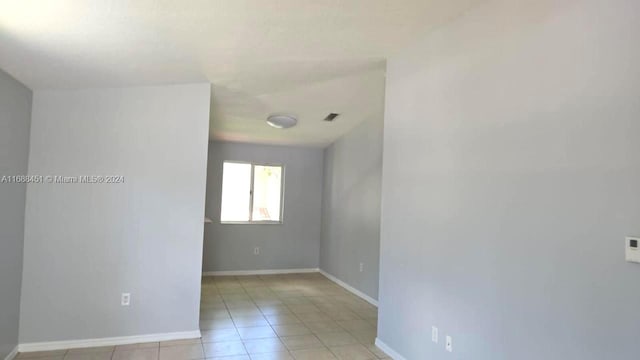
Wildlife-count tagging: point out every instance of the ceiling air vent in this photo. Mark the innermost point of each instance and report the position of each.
(331, 117)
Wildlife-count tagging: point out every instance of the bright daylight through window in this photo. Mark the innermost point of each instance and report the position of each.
(251, 193)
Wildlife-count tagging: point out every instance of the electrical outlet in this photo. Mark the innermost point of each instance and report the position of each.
(361, 267)
(125, 300)
(434, 334)
(256, 251)
(449, 344)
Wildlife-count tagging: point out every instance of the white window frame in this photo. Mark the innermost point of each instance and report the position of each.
(251, 221)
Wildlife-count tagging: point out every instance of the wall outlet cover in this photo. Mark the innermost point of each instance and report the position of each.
(125, 299)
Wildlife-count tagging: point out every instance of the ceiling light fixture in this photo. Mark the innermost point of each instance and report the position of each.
(282, 121)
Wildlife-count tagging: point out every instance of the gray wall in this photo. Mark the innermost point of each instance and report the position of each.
(511, 176)
(294, 244)
(85, 244)
(351, 207)
(15, 119)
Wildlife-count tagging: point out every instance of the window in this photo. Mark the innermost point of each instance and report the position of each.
(251, 193)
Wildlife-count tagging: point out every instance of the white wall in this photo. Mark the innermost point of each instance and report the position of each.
(85, 244)
(511, 176)
(295, 244)
(15, 120)
(351, 206)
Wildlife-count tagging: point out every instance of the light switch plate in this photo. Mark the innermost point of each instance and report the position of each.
(632, 249)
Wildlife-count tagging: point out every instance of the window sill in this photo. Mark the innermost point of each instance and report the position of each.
(251, 222)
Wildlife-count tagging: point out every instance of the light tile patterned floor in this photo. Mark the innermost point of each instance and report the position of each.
(270, 317)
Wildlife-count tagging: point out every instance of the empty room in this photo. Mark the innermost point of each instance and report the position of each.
(319, 180)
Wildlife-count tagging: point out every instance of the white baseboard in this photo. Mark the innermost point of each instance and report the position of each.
(12, 354)
(389, 351)
(124, 340)
(351, 289)
(259, 272)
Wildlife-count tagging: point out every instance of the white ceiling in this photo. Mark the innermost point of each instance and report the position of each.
(305, 57)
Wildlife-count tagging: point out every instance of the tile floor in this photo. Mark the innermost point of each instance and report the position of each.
(272, 317)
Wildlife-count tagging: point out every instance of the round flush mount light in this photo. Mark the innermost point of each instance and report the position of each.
(282, 121)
